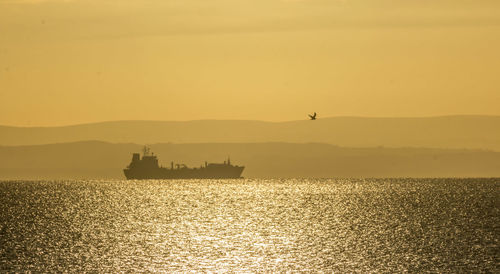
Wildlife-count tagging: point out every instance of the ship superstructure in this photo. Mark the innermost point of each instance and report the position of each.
(147, 167)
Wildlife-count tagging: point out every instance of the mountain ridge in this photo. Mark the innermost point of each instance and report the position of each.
(475, 132)
(263, 121)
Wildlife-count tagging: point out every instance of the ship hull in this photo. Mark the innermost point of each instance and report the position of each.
(228, 172)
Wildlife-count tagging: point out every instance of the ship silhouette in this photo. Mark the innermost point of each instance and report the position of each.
(147, 167)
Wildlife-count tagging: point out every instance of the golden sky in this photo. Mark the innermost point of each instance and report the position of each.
(77, 61)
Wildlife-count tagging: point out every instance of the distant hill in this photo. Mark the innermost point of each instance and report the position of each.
(262, 160)
(476, 132)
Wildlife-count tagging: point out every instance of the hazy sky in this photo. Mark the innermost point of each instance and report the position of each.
(65, 62)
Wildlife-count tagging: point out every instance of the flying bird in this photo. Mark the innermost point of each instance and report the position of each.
(312, 117)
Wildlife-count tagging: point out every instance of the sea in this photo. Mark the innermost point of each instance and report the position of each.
(251, 225)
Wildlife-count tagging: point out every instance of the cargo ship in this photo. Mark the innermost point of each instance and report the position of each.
(147, 167)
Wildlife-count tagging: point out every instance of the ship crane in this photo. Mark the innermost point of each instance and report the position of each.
(180, 166)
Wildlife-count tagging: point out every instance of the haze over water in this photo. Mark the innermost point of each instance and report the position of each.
(383, 225)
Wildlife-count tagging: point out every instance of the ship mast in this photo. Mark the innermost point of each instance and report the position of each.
(145, 151)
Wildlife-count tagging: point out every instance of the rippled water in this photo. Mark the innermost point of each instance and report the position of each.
(251, 225)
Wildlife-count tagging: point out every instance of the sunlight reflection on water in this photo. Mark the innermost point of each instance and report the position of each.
(251, 225)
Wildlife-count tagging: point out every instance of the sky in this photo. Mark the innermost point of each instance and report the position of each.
(77, 61)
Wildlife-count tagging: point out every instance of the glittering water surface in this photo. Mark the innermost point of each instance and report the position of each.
(251, 225)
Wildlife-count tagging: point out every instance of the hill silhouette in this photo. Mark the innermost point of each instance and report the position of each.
(100, 160)
(474, 132)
